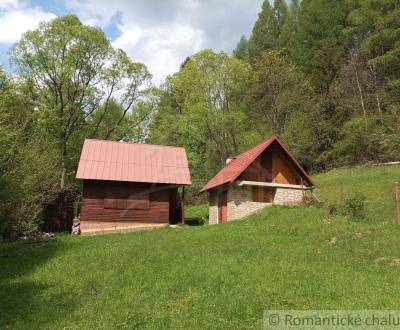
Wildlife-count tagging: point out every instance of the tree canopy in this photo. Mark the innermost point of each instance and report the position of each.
(323, 75)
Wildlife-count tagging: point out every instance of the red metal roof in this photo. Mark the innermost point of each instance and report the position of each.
(133, 162)
(239, 163)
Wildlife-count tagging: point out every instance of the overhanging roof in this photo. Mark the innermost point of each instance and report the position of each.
(133, 162)
(241, 162)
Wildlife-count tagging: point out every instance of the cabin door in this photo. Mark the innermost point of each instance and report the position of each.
(222, 209)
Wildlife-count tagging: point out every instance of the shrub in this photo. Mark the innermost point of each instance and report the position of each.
(333, 208)
(354, 206)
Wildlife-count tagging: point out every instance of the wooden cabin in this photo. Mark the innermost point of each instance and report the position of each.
(130, 186)
(263, 175)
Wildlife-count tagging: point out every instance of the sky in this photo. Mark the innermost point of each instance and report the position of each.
(158, 33)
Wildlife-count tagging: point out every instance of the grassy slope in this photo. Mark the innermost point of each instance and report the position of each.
(211, 276)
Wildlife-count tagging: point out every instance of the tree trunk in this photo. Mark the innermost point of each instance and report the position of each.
(378, 103)
(360, 92)
(63, 155)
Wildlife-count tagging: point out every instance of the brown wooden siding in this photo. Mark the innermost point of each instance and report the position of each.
(271, 166)
(135, 194)
(283, 170)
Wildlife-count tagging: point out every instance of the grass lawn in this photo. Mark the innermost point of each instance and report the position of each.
(196, 211)
(215, 277)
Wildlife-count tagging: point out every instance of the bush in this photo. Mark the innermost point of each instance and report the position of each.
(333, 209)
(354, 207)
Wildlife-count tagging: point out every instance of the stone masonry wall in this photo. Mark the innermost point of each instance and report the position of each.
(240, 202)
(285, 196)
(213, 209)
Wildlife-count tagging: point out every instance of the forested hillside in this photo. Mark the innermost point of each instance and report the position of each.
(323, 75)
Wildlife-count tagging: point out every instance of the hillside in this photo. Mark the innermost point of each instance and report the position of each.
(213, 276)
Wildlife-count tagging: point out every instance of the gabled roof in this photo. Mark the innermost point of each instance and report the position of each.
(133, 162)
(241, 162)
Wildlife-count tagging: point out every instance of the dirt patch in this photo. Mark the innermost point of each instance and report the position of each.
(332, 240)
(395, 262)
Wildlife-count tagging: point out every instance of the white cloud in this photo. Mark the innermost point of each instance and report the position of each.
(15, 19)
(162, 50)
(97, 13)
(162, 33)
(158, 33)
(128, 38)
(7, 4)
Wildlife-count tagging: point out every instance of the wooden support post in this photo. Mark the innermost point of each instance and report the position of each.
(397, 198)
(183, 205)
(302, 191)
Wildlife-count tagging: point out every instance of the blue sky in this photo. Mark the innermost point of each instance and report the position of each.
(159, 33)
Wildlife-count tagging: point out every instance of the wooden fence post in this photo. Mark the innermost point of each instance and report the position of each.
(397, 198)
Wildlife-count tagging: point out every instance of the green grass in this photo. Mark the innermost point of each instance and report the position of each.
(196, 211)
(215, 277)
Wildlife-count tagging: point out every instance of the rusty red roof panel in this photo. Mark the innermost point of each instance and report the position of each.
(133, 162)
(241, 162)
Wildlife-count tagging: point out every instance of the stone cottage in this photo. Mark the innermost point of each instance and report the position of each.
(263, 175)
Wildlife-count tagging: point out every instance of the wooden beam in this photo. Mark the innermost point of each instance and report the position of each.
(272, 184)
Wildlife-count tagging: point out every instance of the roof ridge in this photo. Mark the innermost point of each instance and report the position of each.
(136, 143)
(234, 158)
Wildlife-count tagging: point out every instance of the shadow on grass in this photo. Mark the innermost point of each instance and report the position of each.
(22, 299)
(195, 221)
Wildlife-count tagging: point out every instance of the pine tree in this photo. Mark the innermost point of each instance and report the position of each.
(378, 22)
(321, 41)
(241, 51)
(280, 12)
(263, 34)
(290, 28)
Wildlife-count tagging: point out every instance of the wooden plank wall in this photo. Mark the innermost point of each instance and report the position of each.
(283, 170)
(273, 165)
(94, 193)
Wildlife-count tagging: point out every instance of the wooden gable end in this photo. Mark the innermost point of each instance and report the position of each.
(273, 165)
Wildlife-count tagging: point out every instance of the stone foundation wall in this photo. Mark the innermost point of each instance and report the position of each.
(240, 202)
(285, 196)
(213, 209)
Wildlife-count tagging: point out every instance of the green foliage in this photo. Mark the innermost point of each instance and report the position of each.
(378, 21)
(197, 211)
(202, 108)
(281, 91)
(27, 165)
(321, 43)
(354, 206)
(358, 143)
(273, 28)
(241, 51)
(72, 71)
(72, 84)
